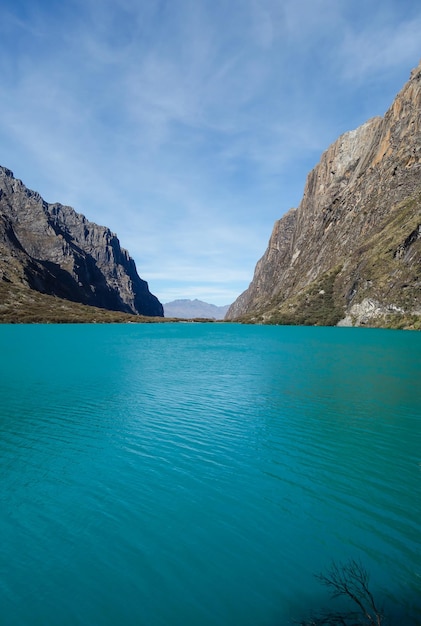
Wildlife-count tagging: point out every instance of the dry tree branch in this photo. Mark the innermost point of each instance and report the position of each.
(351, 580)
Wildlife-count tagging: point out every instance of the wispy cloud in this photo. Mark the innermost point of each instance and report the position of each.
(188, 127)
(365, 53)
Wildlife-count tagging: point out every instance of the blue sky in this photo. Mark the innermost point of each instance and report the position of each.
(189, 126)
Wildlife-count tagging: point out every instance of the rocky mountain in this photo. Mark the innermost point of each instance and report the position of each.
(194, 309)
(350, 253)
(51, 249)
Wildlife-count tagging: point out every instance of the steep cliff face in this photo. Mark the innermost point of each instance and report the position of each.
(54, 250)
(352, 249)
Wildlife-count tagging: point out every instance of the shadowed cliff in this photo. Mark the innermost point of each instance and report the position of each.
(51, 249)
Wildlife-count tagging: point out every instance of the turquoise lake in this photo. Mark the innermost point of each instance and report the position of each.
(201, 474)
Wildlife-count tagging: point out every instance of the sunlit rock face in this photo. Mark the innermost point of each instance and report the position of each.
(54, 250)
(356, 235)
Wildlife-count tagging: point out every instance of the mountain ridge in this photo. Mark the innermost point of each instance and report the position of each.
(350, 253)
(52, 249)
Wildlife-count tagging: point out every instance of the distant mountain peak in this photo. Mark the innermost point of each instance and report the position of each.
(186, 309)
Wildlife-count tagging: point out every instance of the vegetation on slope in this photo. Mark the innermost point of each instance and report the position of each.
(19, 304)
(313, 306)
(388, 266)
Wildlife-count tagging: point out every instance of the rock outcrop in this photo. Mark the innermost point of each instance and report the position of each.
(54, 250)
(352, 249)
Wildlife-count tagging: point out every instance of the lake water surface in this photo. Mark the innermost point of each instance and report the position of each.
(201, 474)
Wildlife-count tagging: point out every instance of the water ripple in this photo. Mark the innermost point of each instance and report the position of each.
(201, 474)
